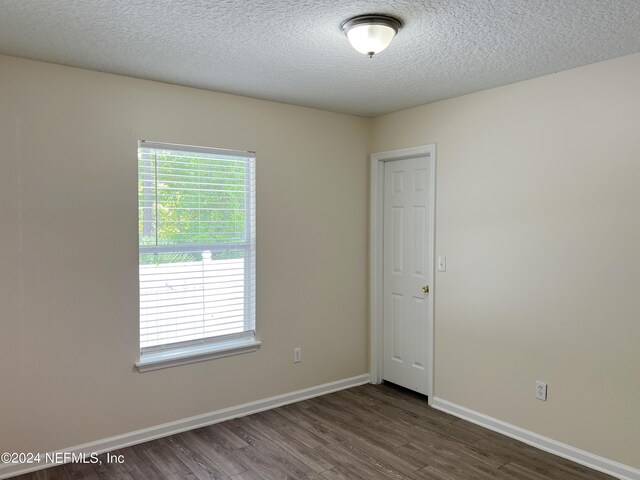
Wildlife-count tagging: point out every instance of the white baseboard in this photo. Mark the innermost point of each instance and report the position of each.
(604, 465)
(8, 470)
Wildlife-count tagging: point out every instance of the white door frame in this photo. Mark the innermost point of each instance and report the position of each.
(376, 256)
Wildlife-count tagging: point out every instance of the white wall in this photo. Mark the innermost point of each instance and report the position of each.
(68, 255)
(538, 213)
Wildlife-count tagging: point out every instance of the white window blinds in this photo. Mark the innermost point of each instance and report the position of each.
(196, 220)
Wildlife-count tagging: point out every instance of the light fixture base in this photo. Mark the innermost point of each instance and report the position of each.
(370, 34)
(371, 19)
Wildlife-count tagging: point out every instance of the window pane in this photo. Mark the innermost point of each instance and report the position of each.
(197, 245)
(200, 198)
(205, 292)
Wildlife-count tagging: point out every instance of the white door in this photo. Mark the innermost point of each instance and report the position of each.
(406, 267)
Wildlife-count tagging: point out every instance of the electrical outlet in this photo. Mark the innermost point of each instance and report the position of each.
(541, 391)
(297, 355)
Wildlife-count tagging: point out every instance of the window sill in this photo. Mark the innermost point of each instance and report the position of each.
(195, 353)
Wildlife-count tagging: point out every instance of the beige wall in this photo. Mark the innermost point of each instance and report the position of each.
(68, 251)
(538, 213)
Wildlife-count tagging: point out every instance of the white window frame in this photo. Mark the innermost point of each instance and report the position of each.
(170, 355)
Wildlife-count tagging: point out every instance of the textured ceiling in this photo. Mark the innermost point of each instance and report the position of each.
(293, 50)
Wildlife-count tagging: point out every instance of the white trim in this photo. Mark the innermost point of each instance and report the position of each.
(183, 355)
(375, 259)
(195, 149)
(190, 423)
(604, 465)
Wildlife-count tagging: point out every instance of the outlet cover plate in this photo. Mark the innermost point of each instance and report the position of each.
(541, 391)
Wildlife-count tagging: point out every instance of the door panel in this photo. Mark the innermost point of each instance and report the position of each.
(406, 267)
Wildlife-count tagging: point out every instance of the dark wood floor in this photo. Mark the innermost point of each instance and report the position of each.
(368, 432)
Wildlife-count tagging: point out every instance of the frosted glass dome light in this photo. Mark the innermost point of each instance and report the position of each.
(371, 34)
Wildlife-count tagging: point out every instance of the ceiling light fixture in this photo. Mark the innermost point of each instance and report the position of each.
(371, 34)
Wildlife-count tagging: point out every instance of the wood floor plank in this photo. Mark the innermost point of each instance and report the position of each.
(382, 435)
(291, 446)
(222, 435)
(247, 475)
(447, 456)
(108, 470)
(204, 444)
(355, 398)
(370, 432)
(359, 465)
(353, 441)
(546, 464)
(137, 464)
(396, 396)
(273, 419)
(425, 436)
(338, 473)
(515, 471)
(269, 464)
(352, 472)
(413, 416)
(198, 461)
(431, 473)
(168, 464)
(72, 471)
(345, 410)
(301, 435)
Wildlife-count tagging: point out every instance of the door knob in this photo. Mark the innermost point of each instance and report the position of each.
(425, 289)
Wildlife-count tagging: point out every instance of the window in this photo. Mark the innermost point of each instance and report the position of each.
(197, 253)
